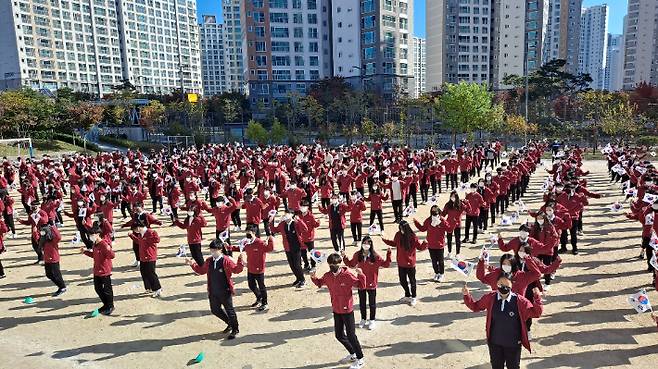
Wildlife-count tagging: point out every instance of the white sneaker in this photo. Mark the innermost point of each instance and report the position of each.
(441, 278)
(436, 278)
(358, 364)
(362, 323)
(552, 276)
(413, 301)
(351, 358)
(547, 288)
(135, 263)
(157, 293)
(371, 325)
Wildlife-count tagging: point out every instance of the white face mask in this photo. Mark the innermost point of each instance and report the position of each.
(522, 254)
(549, 213)
(142, 230)
(192, 198)
(353, 198)
(374, 188)
(506, 268)
(190, 214)
(365, 247)
(102, 198)
(334, 201)
(523, 235)
(80, 203)
(304, 209)
(453, 199)
(266, 194)
(540, 221)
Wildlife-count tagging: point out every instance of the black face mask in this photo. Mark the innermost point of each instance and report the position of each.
(249, 236)
(504, 290)
(334, 268)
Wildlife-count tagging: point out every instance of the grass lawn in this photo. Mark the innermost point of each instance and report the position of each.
(40, 147)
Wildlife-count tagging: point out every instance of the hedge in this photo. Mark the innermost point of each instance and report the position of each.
(133, 145)
(647, 140)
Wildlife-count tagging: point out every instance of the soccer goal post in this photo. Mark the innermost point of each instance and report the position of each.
(23, 145)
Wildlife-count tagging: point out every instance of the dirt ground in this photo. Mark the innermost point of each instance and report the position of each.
(587, 322)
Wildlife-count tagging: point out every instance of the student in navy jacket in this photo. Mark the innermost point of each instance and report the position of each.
(507, 313)
(219, 268)
(340, 283)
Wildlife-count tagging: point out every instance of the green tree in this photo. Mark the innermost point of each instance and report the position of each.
(466, 107)
(114, 114)
(278, 132)
(26, 110)
(256, 132)
(367, 127)
(620, 120)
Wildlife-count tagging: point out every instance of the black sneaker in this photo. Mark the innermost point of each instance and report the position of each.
(562, 251)
(3, 276)
(263, 307)
(575, 252)
(295, 283)
(255, 304)
(59, 292)
(227, 329)
(301, 284)
(107, 311)
(233, 334)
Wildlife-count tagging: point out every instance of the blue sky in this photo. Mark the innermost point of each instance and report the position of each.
(617, 10)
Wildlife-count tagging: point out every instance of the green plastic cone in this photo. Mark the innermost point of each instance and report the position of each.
(28, 300)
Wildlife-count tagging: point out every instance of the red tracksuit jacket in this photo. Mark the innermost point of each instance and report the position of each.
(370, 269)
(102, 254)
(340, 289)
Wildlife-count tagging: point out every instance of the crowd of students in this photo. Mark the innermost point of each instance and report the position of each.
(278, 189)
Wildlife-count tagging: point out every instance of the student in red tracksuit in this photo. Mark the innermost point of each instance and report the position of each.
(270, 202)
(488, 192)
(306, 215)
(49, 238)
(368, 260)
(356, 206)
(222, 213)
(147, 241)
(254, 207)
(193, 225)
(219, 268)
(256, 253)
(102, 254)
(507, 313)
(3, 230)
(647, 217)
(453, 211)
(546, 233)
(436, 228)
(376, 199)
(406, 244)
(515, 243)
(509, 266)
(574, 202)
(474, 202)
(339, 282)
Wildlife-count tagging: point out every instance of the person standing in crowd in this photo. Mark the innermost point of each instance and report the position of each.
(398, 189)
(49, 238)
(193, 225)
(102, 254)
(376, 199)
(406, 243)
(222, 212)
(219, 268)
(369, 261)
(474, 203)
(436, 228)
(340, 283)
(292, 230)
(453, 211)
(147, 241)
(3, 231)
(306, 216)
(256, 253)
(507, 313)
(336, 212)
(356, 206)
